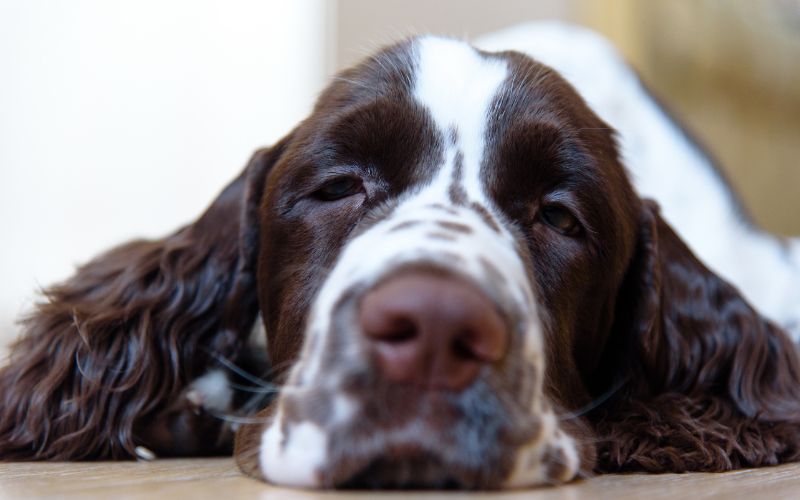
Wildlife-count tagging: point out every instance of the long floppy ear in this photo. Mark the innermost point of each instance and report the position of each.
(112, 347)
(710, 385)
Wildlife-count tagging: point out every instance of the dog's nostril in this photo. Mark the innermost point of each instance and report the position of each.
(462, 348)
(394, 331)
(430, 329)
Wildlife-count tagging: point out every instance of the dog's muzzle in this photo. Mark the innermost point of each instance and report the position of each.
(422, 365)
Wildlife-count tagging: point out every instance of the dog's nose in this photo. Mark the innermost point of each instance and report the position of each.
(432, 330)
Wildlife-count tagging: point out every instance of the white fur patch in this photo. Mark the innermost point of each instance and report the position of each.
(457, 85)
(292, 459)
(211, 391)
(344, 408)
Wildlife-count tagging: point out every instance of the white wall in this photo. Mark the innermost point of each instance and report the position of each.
(124, 118)
(364, 25)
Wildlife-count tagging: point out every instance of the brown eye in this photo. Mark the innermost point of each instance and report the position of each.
(338, 189)
(560, 219)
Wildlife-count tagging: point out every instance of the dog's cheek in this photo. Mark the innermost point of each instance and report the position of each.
(297, 250)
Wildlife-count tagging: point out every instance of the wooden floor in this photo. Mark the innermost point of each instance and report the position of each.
(219, 479)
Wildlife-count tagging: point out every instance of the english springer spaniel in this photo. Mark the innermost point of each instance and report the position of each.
(460, 287)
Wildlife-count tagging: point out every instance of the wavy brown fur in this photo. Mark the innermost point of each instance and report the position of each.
(714, 386)
(677, 433)
(111, 348)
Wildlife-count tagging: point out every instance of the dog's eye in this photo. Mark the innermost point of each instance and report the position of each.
(337, 189)
(560, 219)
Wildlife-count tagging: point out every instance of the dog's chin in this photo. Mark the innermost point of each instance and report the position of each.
(418, 461)
(422, 472)
(410, 437)
(411, 469)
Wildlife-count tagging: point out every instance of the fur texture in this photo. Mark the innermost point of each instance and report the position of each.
(106, 355)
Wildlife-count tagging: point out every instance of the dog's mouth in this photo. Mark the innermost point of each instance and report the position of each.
(423, 440)
(416, 471)
(406, 437)
(418, 464)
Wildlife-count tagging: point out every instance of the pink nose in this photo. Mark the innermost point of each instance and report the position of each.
(432, 330)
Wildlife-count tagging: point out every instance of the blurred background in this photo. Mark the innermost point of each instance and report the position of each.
(122, 119)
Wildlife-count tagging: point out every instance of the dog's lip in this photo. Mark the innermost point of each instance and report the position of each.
(359, 468)
(381, 471)
(414, 451)
(416, 463)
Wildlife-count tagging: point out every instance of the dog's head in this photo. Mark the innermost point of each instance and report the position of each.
(445, 247)
(459, 286)
(441, 243)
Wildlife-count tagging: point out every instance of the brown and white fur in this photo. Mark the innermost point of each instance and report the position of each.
(485, 173)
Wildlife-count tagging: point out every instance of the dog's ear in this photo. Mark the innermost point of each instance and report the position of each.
(709, 383)
(116, 343)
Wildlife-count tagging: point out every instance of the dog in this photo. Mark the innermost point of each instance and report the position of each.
(458, 285)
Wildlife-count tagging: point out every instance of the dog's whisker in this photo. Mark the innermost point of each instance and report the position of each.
(238, 419)
(272, 389)
(239, 371)
(595, 402)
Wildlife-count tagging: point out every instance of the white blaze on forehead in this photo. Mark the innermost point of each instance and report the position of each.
(458, 85)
